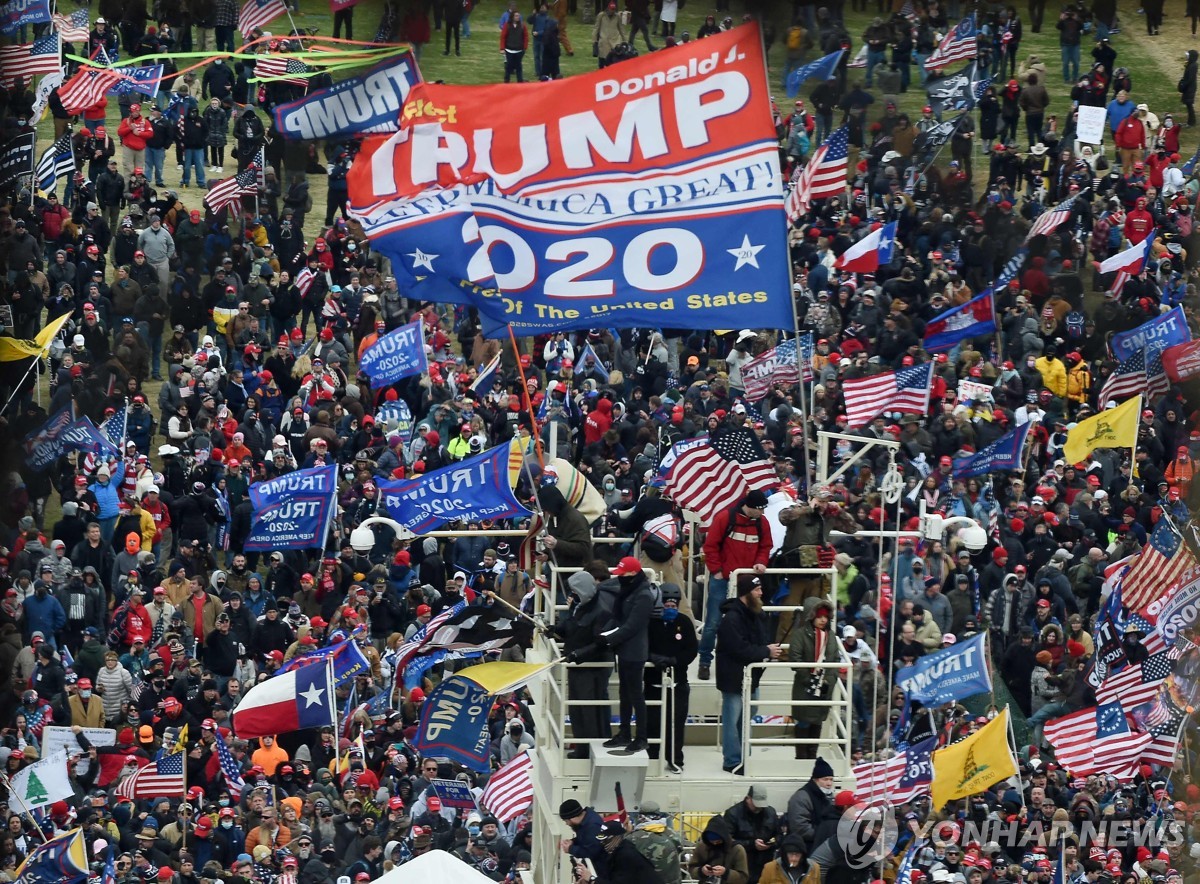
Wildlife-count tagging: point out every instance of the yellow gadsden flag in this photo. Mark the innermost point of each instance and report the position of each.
(12, 349)
(973, 764)
(1115, 428)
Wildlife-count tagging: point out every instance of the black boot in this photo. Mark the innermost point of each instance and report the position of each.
(620, 741)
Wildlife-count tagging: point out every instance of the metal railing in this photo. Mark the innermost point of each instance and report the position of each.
(840, 704)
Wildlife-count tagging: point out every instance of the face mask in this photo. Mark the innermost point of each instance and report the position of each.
(474, 830)
(224, 802)
(828, 792)
(670, 615)
(226, 824)
(85, 694)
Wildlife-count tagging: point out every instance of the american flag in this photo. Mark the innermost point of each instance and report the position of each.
(229, 766)
(278, 69)
(230, 191)
(958, 45)
(824, 176)
(1047, 222)
(1164, 732)
(1137, 684)
(304, 280)
(899, 779)
(28, 60)
(527, 551)
(1152, 638)
(903, 390)
(163, 777)
(413, 646)
(257, 13)
(509, 793)
(1182, 645)
(487, 376)
(1097, 740)
(1160, 565)
(73, 28)
(86, 88)
(707, 476)
(1157, 382)
(1128, 379)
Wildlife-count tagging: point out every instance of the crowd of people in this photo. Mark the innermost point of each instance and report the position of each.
(227, 346)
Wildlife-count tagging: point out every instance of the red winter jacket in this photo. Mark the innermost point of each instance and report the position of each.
(134, 132)
(1138, 225)
(598, 422)
(1131, 134)
(747, 544)
(52, 222)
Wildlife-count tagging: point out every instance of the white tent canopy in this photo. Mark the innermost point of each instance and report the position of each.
(436, 865)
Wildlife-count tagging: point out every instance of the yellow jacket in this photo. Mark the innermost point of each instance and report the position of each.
(90, 716)
(1079, 382)
(1054, 375)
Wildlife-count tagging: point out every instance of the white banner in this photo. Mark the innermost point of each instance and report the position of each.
(42, 782)
(57, 737)
(48, 84)
(1090, 127)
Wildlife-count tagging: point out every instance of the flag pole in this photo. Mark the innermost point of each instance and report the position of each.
(181, 745)
(7, 783)
(333, 715)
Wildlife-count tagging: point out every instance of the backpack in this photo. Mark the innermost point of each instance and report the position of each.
(795, 39)
(660, 538)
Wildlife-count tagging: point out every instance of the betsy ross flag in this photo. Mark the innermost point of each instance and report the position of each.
(1136, 684)
(825, 68)
(1047, 222)
(278, 69)
(1097, 740)
(86, 88)
(824, 176)
(1161, 564)
(230, 191)
(229, 766)
(259, 13)
(57, 161)
(901, 778)
(27, 60)
(73, 28)
(958, 45)
(970, 320)
(509, 793)
(903, 390)
(1128, 379)
(707, 476)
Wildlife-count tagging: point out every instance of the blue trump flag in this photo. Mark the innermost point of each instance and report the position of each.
(397, 355)
(1157, 334)
(144, 80)
(83, 435)
(348, 661)
(947, 675)
(17, 13)
(453, 723)
(479, 487)
(44, 445)
(825, 68)
(970, 320)
(61, 860)
(370, 102)
(293, 511)
(397, 412)
(1003, 454)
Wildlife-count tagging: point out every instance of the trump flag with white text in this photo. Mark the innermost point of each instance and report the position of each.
(644, 194)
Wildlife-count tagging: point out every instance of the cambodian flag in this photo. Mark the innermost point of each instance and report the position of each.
(289, 702)
(972, 319)
(868, 253)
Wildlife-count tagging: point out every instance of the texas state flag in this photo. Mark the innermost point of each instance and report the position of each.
(1131, 260)
(290, 702)
(868, 253)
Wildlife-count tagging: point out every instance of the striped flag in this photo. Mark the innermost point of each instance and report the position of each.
(1128, 379)
(1128, 263)
(527, 551)
(278, 69)
(1097, 740)
(57, 161)
(899, 779)
(1157, 382)
(486, 378)
(229, 766)
(259, 13)
(1152, 638)
(27, 60)
(1047, 222)
(903, 390)
(509, 792)
(304, 280)
(707, 476)
(824, 176)
(958, 45)
(1136, 684)
(1162, 721)
(163, 777)
(1161, 564)
(86, 88)
(230, 191)
(73, 28)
